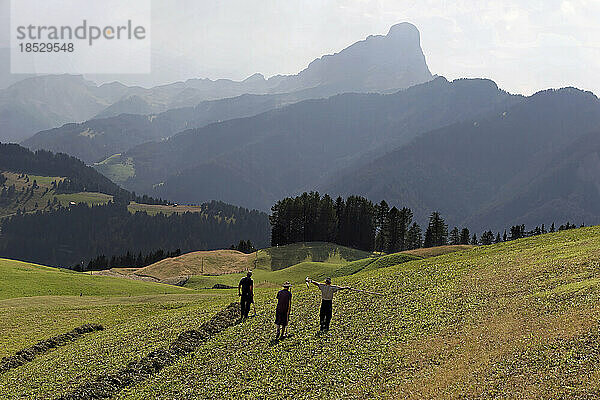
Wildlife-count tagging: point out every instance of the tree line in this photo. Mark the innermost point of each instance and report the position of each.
(128, 260)
(359, 223)
(354, 222)
(77, 234)
(244, 246)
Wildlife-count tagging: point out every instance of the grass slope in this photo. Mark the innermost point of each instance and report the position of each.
(296, 274)
(226, 261)
(195, 263)
(20, 279)
(37, 200)
(512, 320)
(116, 169)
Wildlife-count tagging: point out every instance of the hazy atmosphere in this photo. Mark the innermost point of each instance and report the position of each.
(523, 45)
(299, 199)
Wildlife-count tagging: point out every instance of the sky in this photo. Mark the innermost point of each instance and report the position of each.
(523, 45)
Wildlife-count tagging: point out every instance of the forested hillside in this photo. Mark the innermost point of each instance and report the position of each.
(257, 160)
(79, 177)
(99, 138)
(68, 213)
(533, 163)
(75, 235)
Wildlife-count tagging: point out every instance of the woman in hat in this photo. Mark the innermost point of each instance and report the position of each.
(282, 313)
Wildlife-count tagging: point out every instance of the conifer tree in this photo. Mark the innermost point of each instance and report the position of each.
(474, 240)
(465, 236)
(454, 236)
(437, 231)
(498, 239)
(414, 237)
(487, 238)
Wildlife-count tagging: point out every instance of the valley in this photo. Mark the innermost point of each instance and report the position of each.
(351, 225)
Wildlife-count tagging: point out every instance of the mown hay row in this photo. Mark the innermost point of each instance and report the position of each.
(106, 386)
(28, 354)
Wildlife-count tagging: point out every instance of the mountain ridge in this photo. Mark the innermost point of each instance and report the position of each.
(352, 69)
(290, 149)
(467, 168)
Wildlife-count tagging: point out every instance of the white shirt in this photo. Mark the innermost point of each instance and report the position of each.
(327, 291)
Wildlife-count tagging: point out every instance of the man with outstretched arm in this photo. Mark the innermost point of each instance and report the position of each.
(246, 293)
(282, 313)
(327, 291)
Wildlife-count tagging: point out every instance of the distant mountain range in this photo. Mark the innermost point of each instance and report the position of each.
(376, 64)
(256, 160)
(38, 103)
(537, 162)
(370, 120)
(484, 158)
(99, 138)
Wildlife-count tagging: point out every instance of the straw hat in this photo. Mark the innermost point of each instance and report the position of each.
(287, 284)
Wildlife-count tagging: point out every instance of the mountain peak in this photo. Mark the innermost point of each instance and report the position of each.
(404, 29)
(255, 78)
(377, 63)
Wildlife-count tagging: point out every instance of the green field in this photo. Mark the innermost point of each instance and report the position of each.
(218, 262)
(512, 320)
(296, 274)
(38, 199)
(89, 198)
(152, 209)
(262, 278)
(116, 169)
(20, 279)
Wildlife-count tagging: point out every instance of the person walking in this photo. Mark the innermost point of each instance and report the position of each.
(246, 293)
(282, 313)
(327, 291)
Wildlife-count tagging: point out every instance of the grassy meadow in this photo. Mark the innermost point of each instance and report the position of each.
(512, 320)
(116, 169)
(210, 265)
(42, 194)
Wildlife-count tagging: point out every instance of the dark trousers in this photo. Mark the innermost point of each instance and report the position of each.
(245, 302)
(326, 310)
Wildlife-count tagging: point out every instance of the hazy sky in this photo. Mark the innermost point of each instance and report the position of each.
(524, 45)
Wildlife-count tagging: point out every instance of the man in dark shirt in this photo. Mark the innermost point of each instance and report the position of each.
(246, 293)
(282, 313)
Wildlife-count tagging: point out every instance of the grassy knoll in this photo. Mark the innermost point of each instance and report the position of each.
(472, 324)
(153, 209)
(116, 168)
(296, 274)
(227, 261)
(195, 263)
(275, 258)
(20, 279)
(512, 320)
(36, 193)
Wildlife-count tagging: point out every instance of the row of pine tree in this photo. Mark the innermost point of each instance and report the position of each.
(359, 223)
